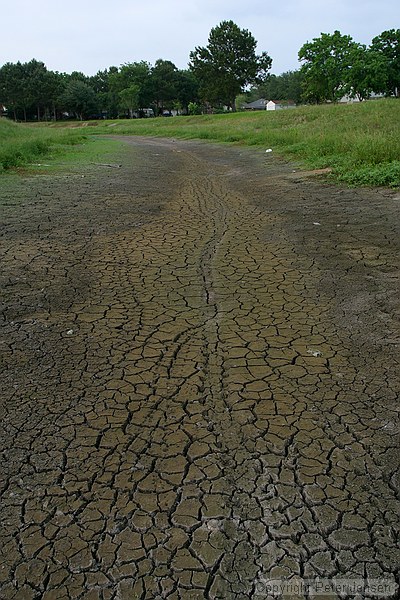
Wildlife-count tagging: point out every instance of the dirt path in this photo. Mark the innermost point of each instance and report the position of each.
(201, 357)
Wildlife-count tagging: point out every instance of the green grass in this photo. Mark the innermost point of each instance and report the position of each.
(359, 142)
(22, 145)
(80, 157)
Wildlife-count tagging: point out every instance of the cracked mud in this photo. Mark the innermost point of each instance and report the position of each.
(200, 374)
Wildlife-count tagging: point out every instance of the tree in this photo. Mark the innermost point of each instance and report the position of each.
(12, 86)
(287, 86)
(388, 45)
(51, 88)
(228, 63)
(164, 84)
(107, 97)
(326, 61)
(136, 73)
(79, 98)
(129, 98)
(36, 80)
(78, 76)
(187, 89)
(29, 89)
(366, 74)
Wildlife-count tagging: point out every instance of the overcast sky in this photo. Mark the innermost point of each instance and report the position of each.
(89, 35)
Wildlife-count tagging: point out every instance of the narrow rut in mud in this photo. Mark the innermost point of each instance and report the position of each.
(201, 370)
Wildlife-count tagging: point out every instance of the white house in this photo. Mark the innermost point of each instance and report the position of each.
(273, 105)
(263, 104)
(280, 104)
(350, 100)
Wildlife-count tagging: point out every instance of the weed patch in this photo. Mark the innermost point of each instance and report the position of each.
(20, 145)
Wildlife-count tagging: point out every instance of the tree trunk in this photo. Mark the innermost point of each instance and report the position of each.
(38, 113)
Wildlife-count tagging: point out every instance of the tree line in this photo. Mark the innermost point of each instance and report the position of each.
(333, 65)
(215, 76)
(30, 91)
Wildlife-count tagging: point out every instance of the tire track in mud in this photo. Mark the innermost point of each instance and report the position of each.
(196, 421)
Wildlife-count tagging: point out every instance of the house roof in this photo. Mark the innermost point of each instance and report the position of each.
(282, 101)
(261, 103)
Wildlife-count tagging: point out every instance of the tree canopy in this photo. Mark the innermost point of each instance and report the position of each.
(287, 86)
(79, 98)
(27, 87)
(334, 65)
(325, 62)
(228, 63)
(387, 45)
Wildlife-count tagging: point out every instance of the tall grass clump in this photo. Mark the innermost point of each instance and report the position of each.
(21, 145)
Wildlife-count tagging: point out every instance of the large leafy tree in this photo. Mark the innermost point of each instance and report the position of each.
(133, 74)
(78, 76)
(326, 61)
(79, 98)
(51, 87)
(387, 44)
(187, 89)
(129, 98)
(12, 86)
(108, 98)
(29, 89)
(164, 78)
(366, 73)
(36, 85)
(287, 86)
(228, 64)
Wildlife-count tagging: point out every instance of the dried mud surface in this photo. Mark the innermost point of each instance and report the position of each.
(200, 378)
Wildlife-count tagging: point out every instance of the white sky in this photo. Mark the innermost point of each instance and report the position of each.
(89, 35)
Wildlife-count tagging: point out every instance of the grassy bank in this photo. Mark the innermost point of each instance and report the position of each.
(359, 142)
(21, 145)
